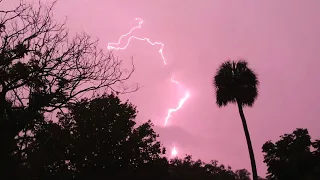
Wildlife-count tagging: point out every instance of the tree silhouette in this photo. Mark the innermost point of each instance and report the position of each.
(292, 157)
(96, 139)
(243, 174)
(236, 83)
(43, 69)
(46, 154)
(106, 141)
(187, 168)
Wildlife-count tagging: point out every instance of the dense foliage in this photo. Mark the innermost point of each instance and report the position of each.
(100, 139)
(95, 139)
(293, 157)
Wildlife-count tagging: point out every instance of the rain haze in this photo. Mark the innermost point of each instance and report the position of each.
(279, 38)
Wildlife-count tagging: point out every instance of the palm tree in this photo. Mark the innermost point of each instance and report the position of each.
(236, 83)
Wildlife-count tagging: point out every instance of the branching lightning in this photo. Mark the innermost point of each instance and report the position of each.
(116, 46)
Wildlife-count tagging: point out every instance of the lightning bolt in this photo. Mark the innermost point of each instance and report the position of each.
(111, 45)
(116, 46)
(181, 102)
(174, 151)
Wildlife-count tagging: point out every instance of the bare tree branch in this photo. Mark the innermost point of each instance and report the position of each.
(38, 57)
(43, 70)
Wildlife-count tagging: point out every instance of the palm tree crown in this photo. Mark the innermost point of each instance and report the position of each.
(235, 82)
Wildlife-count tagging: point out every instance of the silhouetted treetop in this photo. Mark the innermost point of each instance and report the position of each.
(187, 168)
(235, 82)
(294, 156)
(96, 138)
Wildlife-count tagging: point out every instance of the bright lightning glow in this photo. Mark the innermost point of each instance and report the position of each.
(181, 102)
(174, 151)
(116, 46)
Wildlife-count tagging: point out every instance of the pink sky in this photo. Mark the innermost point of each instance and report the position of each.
(279, 38)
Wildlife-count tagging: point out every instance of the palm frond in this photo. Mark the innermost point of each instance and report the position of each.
(235, 82)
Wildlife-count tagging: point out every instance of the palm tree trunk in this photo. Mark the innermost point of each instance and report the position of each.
(246, 131)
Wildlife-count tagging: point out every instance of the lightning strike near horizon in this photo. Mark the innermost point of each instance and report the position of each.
(116, 46)
(174, 151)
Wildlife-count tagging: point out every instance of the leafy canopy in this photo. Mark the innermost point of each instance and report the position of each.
(96, 138)
(293, 157)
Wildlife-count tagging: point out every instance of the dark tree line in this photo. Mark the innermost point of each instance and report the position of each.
(98, 139)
